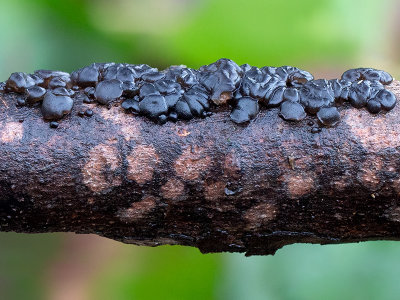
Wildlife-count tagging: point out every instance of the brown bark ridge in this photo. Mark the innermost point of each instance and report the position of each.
(208, 183)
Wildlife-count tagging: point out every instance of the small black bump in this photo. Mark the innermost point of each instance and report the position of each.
(21, 101)
(89, 113)
(315, 130)
(162, 119)
(53, 124)
(173, 116)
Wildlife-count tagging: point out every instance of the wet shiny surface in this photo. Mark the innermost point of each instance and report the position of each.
(181, 93)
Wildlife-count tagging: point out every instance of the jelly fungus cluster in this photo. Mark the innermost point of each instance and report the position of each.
(181, 93)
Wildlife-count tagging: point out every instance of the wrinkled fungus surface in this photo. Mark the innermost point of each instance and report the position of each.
(181, 93)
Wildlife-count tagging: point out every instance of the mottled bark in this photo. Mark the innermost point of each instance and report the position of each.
(207, 183)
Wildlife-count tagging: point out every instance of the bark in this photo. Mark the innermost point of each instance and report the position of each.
(207, 183)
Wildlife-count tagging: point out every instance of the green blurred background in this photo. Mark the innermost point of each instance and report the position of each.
(322, 36)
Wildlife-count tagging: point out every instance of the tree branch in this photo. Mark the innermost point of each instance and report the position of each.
(211, 183)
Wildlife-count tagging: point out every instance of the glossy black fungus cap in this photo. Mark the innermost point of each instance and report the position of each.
(181, 93)
(55, 107)
(246, 108)
(292, 111)
(328, 116)
(108, 91)
(369, 74)
(316, 94)
(19, 82)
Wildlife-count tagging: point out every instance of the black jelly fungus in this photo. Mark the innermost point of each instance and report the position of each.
(35, 93)
(276, 97)
(328, 116)
(130, 104)
(19, 82)
(183, 110)
(153, 106)
(292, 111)
(245, 110)
(53, 124)
(181, 93)
(315, 130)
(108, 91)
(291, 94)
(89, 113)
(374, 106)
(173, 116)
(55, 107)
(89, 91)
(162, 119)
(21, 101)
(87, 76)
(386, 98)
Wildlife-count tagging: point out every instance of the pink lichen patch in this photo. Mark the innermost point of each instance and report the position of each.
(375, 132)
(340, 184)
(232, 166)
(128, 126)
(99, 172)
(141, 163)
(260, 215)
(138, 210)
(368, 175)
(11, 132)
(192, 163)
(214, 190)
(299, 184)
(173, 189)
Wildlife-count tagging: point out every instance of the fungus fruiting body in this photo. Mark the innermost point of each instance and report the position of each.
(181, 93)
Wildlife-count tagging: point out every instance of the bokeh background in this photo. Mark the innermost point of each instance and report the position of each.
(325, 37)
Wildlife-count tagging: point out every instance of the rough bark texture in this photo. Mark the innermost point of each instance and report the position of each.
(206, 183)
